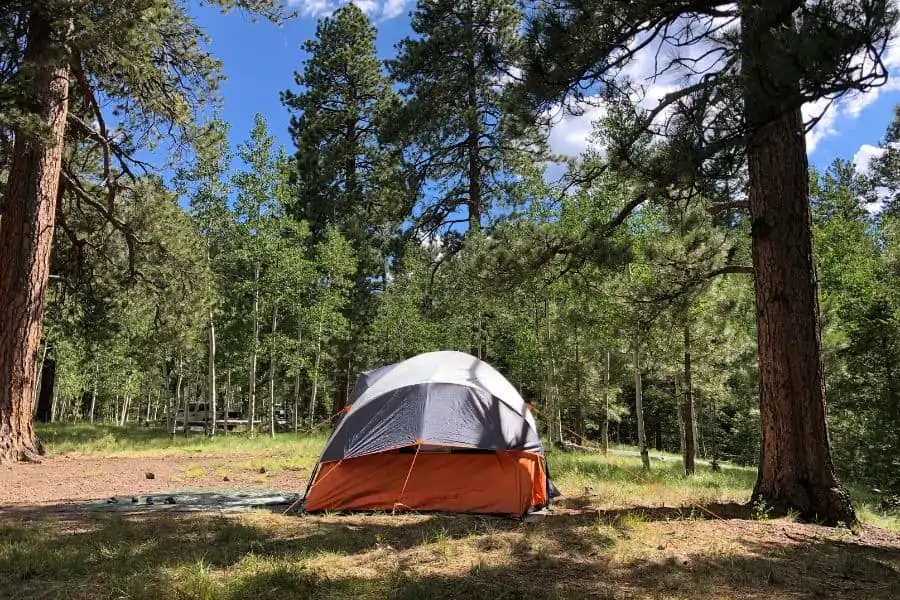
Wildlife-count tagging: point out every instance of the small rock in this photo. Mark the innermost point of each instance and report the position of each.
(149, 475)
(134, 499)
(111, 500)
(169, 500)
(225, 478)
(262, 469)
(149, 500)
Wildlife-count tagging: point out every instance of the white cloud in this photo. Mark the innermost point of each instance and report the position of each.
(827, 114)
(377, 9)
(862, 161)
(394, 8)
(863, 157)
(570, 134)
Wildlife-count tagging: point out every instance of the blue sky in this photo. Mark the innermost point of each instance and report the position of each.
(259, 60)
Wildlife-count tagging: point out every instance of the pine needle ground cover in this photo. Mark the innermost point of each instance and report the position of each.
(617, 533)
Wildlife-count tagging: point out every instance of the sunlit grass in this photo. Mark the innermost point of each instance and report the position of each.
(611, 481)
(617, 481)
(84, 439)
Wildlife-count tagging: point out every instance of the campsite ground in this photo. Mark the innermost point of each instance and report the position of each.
(617, 533)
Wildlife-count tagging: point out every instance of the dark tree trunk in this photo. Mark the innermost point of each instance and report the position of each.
(796, 469)
(26, 234)
(44, 413)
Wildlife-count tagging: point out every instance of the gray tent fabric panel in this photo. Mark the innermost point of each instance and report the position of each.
(459, 415)
(439, 413)
(395, 420)
(366, 379)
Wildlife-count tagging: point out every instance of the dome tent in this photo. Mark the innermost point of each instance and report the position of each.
(441, 431)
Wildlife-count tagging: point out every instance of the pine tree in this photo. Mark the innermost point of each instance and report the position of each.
(141, 57)
(346, 177)
(769, 57)
(455, 117)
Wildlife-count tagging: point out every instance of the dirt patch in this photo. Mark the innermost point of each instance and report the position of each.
(67, 480)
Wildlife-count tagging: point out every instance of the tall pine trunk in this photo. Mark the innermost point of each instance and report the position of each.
(26, 233)
(639, 409)
(795, 468)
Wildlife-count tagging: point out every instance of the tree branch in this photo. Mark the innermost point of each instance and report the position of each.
(736, 205)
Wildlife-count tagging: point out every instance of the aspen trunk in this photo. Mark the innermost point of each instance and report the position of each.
(26, 236)
(689, 419)
(212, 375)
(604, 430)
(183, 400)
(94, 393)
(795, 467)
(227, 399)
(272, 373)
(297, 385)
(679, 405)
(639, 409)
(254, 353)
(315, 373)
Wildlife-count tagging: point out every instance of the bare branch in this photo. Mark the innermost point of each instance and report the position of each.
(736, 205)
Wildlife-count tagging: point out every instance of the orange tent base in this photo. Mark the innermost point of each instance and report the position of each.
(499, 483)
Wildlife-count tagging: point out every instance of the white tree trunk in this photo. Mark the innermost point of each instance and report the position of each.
(604, 431)
(227, 399)
(639, 409)
(272, 373)
(254, 353)
(315, 374)
(212, 374)
(94, 393)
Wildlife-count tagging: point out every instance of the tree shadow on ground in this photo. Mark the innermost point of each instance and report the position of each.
(628, 553)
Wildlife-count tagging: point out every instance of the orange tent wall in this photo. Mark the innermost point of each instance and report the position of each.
(506, 482)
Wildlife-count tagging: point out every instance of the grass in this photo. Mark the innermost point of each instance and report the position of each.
(640, 536)
(109, 441)
(265, 555)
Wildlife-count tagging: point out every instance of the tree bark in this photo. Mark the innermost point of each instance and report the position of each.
(26, 234)
(689, 420)
(639, 409)
(795, 467)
